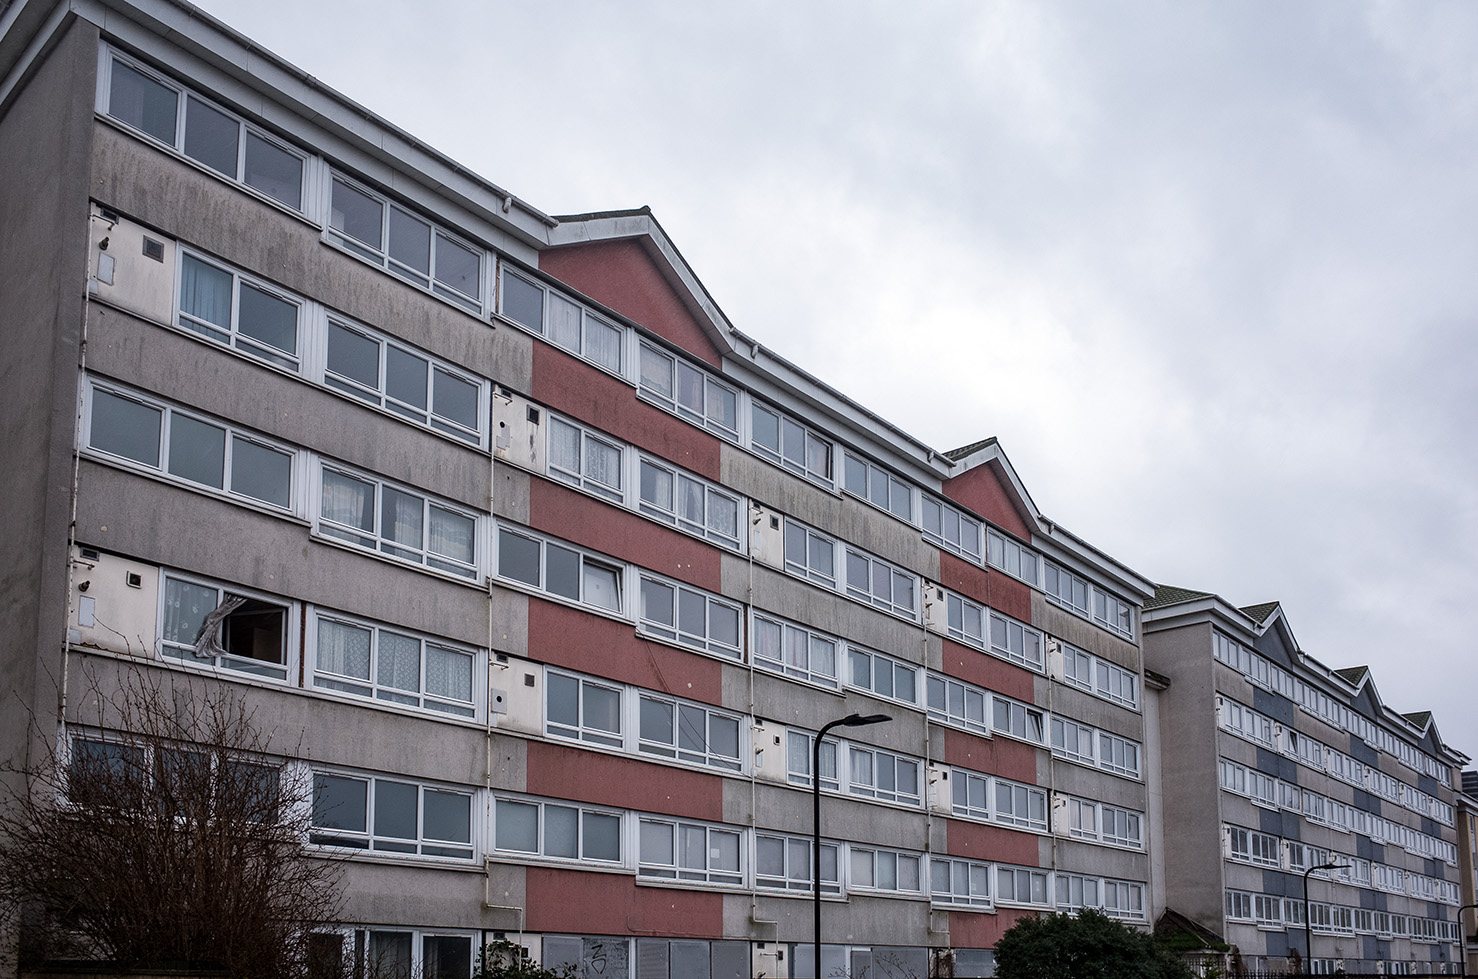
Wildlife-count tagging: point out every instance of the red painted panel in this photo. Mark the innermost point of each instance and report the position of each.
(991, 756)
(565, 636)
(983, 930)
(574, 902)
(977, 842)
(985, 670)
(1000, 591)
(980, 490)
(622, 275)
(584, 520)
(596, 398)
(567, 772)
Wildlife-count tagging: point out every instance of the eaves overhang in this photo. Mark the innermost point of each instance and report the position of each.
(1085, 553)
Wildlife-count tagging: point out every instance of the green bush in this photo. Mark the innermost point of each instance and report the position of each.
(1087, 945)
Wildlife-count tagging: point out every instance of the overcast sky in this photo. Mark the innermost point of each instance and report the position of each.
(1209, 271)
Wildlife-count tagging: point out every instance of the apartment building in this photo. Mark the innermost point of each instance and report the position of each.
(553, 572)
(1281, 766)
(1467, 844)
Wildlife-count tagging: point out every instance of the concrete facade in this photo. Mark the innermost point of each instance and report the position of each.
(1275, 765)
(528, 531)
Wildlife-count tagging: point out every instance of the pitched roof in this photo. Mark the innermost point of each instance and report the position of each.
(1260, 613)
(1354, 674)
(1420, 718)
(1171, 595)
(955, 455)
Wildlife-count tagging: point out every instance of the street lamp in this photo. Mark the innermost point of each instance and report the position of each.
(851, 720)
(1308, 940)
(1463, 934)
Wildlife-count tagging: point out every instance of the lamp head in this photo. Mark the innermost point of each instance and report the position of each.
(859, 720)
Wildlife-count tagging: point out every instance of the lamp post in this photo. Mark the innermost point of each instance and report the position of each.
(1308, 938)
(851, 720)
(1463, 934)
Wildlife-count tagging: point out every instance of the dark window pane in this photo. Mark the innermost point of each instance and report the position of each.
(518, 558)
(405, 377)
(562, 568)
(766, 429)
(266, 318)
(197, 451)
(125, 428)
(656, 601)
(255, 631)
(274, 171)
(211, 137)
(339, 803)
(410, 241)
(458, 267)
(517, 827)
(354, 356)
(446, 957)
(401, 518)
(690, 615)
(561, 831)
(142, 102)
(356, 214)
(523, 302)
(454, 399)
(260, 473)
(389, 955)
(448, 816)
(656, 721)
(395, 810)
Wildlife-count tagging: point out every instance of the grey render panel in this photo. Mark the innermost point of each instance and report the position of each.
(169, 525)
(1089, 783)
(511, 493)
(1077, 857)
(829, 611)
(205, 377)
(1188, 739)
(161, 191)
(1071, 702)
(428, 896)
(45, 137)
(788, 809)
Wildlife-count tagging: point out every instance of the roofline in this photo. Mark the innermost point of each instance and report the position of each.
(1086, 551)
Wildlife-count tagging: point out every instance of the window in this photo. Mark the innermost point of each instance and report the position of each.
(963, 883)
(392, 237)
(788, 443)
(1239, 906)
(1082, 818)
(883, 775)
(884, 870)
(688, 392)
(398, 523)
(1072, 740)
(1075, 892)
(107, 774)
(561, 322)
(1077, 667)
(881, 675)
(206, 624)
(188, 448)
(965, 620)
(1113, 613)
(810, 554)
(970, 796)
(583, 710)
(952, 529)
(397, 667)
(1123, 899)
(1015, 885)
(558, 570)
(794, 651)
(689, 616)
(1118, 685)
(879, 487)
(389, 816)
(551, 829)
(1123, 827)
(1016, 642)
(404, 381)
(1267, 910)
(584, 459)
(1020, 805)
(1118, 755)
(1067, 589)
(1016, 719)
(682, 851)
(690, 504)
(206, 134)
(689, 732)
(957, 703)
(880, 583)
(1250, 846)
(225, 306)
(798, 749)
(1012, 557)
(785, 862)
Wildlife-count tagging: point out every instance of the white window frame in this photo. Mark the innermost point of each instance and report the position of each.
(876, 664)
(1031, 796)
(422, 847)
(936, 511)
(675, 872)
(1111, 747)
(1004, 634)
(793, 850)
(1121, 827)
(971, 616)
(379, 253)
(880, 858)
(683, 713)
(672, 403)
(372, 689)
(799, 751)
(1020, 720)
(585, 559)
(1031, 876)
(874, 476)
(375, 542)
(582, 730)
(160, 469)
(291, 618)
(230, 335)
(1013, 557)
(968, 696)
(673, 515)
(584, 474)
(870, 771)
(583, 347)
(900, 595)
(675, 631)
(789, 662)
(108, 56)
(539, 853)
(816, 543)
(953, 883)
(788, 429)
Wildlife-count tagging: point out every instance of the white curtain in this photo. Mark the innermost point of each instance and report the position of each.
(564, 323)
(451, 535)
(399, 662)
(603, 344)
(343, 649)
(348, 501)
(448, 673)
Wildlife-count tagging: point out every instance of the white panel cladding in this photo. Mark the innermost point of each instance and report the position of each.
(134, 268)
(767, 536)
(115, 603)
(518, 430)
